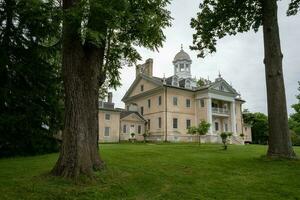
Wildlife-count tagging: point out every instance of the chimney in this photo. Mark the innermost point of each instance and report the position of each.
(109, 97)
(146, 68)
(149, 67)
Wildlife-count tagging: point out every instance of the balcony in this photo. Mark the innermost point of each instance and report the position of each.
(223, 111)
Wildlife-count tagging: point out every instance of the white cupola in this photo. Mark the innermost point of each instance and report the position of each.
(182, 64)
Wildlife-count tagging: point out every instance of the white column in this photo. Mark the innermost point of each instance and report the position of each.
(209, 116)
(233, 118)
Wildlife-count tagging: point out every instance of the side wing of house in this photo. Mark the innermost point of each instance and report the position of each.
(109, 121)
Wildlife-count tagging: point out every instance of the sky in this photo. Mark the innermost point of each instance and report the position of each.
(238, 58)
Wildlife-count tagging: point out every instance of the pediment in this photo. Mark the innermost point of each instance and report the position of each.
(148, 83)
(133, 117)
(223, 86)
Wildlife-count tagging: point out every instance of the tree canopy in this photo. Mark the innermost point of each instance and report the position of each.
(30, 84)
(259, 126)
(294, 121)
(218, 18)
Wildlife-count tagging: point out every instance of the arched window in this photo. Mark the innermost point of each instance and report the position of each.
(181, 67)
(176, 68)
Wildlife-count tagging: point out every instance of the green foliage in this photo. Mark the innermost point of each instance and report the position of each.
(202, 129)
(200, 83)
(293, 7)
(225, 136)
(30, 85)
(294, 120)
(192, 130)
(119, 26)
(259, 126)
(218, 18)
(295, 138)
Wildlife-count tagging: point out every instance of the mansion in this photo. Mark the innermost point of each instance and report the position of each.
(165, 108)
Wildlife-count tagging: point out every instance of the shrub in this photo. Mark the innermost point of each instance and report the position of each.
(225, 136)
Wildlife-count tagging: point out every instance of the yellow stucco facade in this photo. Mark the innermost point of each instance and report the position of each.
(166, 107)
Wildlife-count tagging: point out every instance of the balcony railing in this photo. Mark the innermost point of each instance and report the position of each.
(220, 110)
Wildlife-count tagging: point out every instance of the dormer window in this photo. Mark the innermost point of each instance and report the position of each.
(175, 81)
(187, 84)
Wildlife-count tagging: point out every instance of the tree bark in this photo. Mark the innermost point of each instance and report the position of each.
(80, 68)
(279, 138)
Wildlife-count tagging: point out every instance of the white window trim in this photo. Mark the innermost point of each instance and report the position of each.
(109, 116)
(108, 131)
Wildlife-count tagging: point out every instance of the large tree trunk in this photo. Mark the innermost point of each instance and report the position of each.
(279, 138)
(80, 67)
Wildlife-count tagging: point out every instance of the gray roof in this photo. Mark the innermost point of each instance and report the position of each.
(182, 55)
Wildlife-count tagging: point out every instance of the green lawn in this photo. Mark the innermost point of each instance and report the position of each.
(159, 171)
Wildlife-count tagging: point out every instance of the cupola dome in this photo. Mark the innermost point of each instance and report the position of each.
(182, 64)
(181, 55)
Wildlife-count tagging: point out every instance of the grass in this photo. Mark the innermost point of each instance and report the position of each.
(159, 171)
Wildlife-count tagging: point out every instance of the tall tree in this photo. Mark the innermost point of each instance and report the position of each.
(219, 18)
(98, 36)
(30, 106)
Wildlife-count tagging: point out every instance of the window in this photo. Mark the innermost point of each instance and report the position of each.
(149, 103)
(142, 88)
(216, 126)
(188, 103)
(181, 67)
(159, 122)
(148, 124)
(188, 67)
(187, 84)
(175, 123)
(107, 116)
(202, 103)
(142, 110)
(124, 128)
(159, 100)
(188, 123)
(226, 127)
(175, 101)
(214, 105)
(106, 131)
(221, 87)
(139, 129)
(175, 81)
